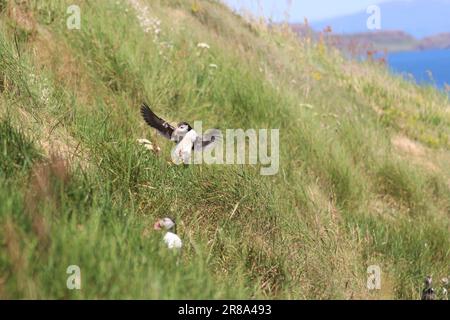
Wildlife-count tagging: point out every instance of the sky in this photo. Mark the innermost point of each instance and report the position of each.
(314, 10)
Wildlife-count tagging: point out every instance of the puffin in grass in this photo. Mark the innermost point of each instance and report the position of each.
(428, 292)
(171, 239)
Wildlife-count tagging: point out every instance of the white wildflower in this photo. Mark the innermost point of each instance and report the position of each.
(148, 145)
(45, 95)
(148, 23)
(203, 45)
(167, 45)
(33, 78)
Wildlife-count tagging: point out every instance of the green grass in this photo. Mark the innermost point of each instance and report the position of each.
(76, 188)
(17, 153)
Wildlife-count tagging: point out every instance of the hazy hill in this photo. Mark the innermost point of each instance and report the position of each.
(382, 40)
(439, 41)
(390, 41)
(363, 180)
(420, 18)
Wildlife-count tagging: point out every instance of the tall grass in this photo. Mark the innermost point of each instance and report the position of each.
(344, 198)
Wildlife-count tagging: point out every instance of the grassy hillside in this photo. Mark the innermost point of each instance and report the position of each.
(364, 176)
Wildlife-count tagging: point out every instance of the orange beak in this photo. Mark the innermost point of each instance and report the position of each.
(157, 225)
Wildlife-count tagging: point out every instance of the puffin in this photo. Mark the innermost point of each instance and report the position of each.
(184, 136)
(444, 283)
(171, 239)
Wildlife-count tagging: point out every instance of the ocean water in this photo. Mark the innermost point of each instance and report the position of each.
(425, 67)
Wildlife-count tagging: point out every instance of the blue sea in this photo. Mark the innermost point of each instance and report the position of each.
(425, 67)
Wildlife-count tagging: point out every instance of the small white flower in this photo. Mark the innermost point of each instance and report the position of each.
(203, 45)
(167, 45)
(45, 95)
(33, 78)
(148, 145)
(147, 22)
(144, 141)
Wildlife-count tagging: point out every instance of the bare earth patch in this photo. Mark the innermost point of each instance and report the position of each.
(53, 140)
(415, 151)
(22, 17)
(408, 146)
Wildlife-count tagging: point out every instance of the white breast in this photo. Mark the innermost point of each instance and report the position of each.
(183, 150)
(172, 241)
(191, 135)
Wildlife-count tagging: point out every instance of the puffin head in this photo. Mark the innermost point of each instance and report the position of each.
(181, 130)
(428, 281)
(166, 224)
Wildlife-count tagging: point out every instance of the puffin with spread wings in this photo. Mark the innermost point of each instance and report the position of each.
(186, 139)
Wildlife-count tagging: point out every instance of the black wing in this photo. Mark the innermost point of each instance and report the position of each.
(156, 122)
(209, 139)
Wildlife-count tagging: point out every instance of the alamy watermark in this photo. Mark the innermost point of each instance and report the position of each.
(374, 277)
(73, 22)
(374, 20)
(74, 280)
(236, 146)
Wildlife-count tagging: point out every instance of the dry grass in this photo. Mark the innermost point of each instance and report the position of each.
(363, 182)
(47, 181)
